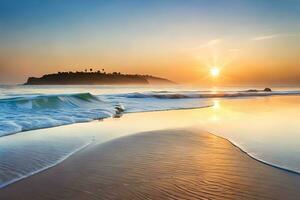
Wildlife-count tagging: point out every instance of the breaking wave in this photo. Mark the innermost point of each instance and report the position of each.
(201, 94)
(28, 113)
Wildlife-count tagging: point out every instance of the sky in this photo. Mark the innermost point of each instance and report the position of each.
(250, 41)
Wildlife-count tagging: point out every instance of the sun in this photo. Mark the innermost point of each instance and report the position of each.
(214, 71)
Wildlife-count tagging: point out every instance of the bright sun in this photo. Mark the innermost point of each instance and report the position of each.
(214, 71)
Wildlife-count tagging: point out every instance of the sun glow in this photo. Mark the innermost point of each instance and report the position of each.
(214, 71)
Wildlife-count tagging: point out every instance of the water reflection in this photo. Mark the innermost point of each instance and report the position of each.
(267, 128)
(216, 104)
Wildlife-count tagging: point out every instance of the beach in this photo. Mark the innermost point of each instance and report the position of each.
(165, 164)
(166, 145)
(149, 100)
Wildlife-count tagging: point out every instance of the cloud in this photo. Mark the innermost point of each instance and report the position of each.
(210, 43)
(268, 37)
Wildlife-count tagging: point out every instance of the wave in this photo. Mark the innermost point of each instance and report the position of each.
(35, 112)
(49, 101)
(29, 112)
(32, 112)
(59, 160)
(201, 94)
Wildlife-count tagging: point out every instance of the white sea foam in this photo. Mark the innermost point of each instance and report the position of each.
(29, 112)
(43, 111)
(60, 158)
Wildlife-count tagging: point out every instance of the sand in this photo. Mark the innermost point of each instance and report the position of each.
(165, 164)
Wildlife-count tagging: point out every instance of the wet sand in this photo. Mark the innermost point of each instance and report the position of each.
(166, 164)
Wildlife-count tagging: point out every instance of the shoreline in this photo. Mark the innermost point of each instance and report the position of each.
(255, 158)
(146, 113)
(109, 117)
(88, 162)
(45, 168)
(89, 146)
(209, 120)
(101, 119)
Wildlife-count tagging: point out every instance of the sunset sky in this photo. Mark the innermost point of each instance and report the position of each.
(250, 41)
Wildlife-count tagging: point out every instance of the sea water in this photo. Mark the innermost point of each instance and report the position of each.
(24, 109)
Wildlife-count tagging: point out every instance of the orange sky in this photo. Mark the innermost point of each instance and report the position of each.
(252, 42)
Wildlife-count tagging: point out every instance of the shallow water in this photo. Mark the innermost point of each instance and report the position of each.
(266, 127)
(24, 108)
(164, 164)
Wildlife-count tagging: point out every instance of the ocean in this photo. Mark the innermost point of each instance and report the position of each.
(30, 143)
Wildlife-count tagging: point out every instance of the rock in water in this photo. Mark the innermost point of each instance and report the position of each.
(267, 90)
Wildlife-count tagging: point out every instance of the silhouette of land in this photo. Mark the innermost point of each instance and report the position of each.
(95, 78)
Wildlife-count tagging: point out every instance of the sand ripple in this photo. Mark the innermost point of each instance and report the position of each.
(176, 164)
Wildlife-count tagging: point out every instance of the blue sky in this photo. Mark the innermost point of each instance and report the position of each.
(133, 32)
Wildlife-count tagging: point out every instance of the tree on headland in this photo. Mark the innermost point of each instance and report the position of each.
(91, 76)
